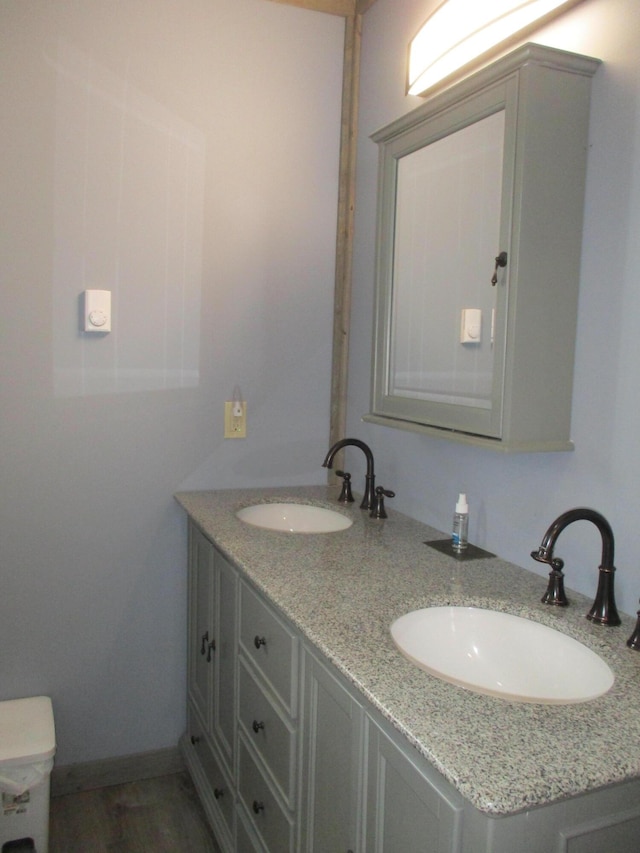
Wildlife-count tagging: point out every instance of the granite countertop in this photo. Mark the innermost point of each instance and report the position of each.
(343, 590)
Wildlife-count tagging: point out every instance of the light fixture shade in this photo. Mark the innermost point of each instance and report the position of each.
(461, 31)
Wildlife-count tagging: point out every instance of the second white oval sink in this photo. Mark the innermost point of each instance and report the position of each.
(294, 518)
(501, 655)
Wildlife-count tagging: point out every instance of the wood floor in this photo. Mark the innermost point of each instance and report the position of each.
(160, 815)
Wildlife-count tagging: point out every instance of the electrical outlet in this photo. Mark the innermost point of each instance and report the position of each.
(235, 426)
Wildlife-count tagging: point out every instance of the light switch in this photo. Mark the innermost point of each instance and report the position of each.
(471, 326)
(97, 310)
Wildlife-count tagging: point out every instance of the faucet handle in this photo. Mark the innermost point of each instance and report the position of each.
(346, 496)
(378, 510)
(634, 640)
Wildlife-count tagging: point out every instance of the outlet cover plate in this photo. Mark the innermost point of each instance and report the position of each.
(235, 426)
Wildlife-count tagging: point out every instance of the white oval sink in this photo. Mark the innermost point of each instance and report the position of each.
(501, 655)
(294, 518)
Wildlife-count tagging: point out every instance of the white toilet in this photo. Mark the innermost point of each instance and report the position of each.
(27, 747)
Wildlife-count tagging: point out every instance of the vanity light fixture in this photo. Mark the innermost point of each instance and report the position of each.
(461, 31)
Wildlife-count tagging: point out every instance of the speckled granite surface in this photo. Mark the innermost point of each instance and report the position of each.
(343, 590)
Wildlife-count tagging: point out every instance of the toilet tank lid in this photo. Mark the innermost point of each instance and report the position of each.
(27, 732)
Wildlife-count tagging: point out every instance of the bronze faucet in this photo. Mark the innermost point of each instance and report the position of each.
(603, 610)
(369, 491)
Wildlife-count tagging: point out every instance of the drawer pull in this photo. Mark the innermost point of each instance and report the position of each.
(258, 807)
(212, 648)
(257, 726)
(205, 638)
(259, 641)
(217, 793)
(195, 739)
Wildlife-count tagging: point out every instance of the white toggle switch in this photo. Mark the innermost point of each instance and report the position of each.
(97, 310)
(471, 326)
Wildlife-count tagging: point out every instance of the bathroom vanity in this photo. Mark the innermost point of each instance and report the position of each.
(309, 731)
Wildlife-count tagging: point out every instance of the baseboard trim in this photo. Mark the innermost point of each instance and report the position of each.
(115, 771)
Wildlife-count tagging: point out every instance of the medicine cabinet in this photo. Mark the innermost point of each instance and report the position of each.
(479, 232)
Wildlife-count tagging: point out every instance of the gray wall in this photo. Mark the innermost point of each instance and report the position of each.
(514, 498)
(184, 155)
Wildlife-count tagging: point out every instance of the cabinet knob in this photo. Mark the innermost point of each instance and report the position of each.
(257, 726)
(195, 739)
(211, 648)
(259, 641)
(217, 793)
(205, 639)
(258, 807)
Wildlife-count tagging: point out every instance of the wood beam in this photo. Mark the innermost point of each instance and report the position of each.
(345, 8)
(344, 239)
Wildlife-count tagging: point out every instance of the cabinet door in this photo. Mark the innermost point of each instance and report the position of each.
(409, 808)
(333, 756)
(224, 686)
(434, 370)
(212, 642)
(201, 624)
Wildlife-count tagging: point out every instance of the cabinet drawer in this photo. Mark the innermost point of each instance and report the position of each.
(245, 840)
(271, 822)
(270, 645)
(219, 790)
(268, 731)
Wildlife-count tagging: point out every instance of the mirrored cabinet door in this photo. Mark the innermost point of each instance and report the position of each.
(479, 232)
(442, 334)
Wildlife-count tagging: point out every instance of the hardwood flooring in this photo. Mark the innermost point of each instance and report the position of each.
(161, 815)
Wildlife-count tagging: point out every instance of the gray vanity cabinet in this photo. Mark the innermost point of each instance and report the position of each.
(332, 782)
(210, 746)
(289, 757)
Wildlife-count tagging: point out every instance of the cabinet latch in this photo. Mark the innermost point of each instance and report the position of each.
(501, 261)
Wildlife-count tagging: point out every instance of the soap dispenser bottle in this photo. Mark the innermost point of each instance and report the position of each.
(459, 536)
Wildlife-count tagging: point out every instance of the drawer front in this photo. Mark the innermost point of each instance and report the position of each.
(269, 819)
(245, 841)
(270, 645)
(219, 786)
(269, 732)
